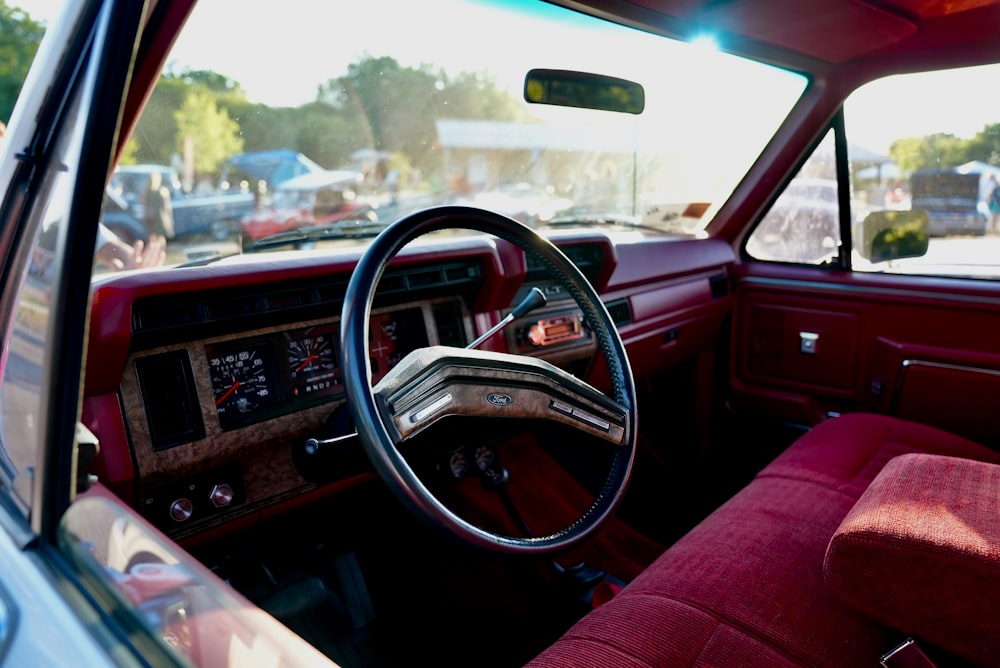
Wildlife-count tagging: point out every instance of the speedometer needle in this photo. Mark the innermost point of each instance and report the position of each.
(228, 392)
(306, 363)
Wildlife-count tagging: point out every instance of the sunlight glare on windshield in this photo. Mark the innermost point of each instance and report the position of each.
(436, 116)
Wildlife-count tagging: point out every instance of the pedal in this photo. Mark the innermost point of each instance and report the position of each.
(351, 582)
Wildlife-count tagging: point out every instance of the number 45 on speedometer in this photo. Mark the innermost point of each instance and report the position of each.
(241, 381)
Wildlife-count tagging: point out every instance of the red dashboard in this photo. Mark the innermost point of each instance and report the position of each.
(220, 373)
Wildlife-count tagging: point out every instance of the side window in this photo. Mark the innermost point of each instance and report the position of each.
(923, 181)
(803, 225)
(933, 206)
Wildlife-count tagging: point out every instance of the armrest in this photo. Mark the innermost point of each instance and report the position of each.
(920, 552)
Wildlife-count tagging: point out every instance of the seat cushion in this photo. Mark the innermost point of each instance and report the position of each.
(745, 587)
(920, 552)
(846, 453)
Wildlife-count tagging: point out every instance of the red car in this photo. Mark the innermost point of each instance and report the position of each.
(467, 441)
(317, 198)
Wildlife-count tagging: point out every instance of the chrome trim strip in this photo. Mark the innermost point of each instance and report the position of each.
(908, 363)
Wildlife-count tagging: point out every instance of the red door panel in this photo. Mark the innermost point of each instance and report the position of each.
(808, 342)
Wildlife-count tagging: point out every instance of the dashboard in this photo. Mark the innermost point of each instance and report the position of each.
(231, 407)
(204, 384)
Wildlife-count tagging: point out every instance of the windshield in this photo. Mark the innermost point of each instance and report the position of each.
(410, 119)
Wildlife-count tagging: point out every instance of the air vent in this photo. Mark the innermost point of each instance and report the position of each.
(284, 299)
(233, 307)
(719, 285)
(620, 312)
(168, 394)
(451, 275)
(154, 316)
(587, 259)
(165, 315)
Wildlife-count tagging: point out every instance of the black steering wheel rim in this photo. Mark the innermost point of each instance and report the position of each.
(376, 439)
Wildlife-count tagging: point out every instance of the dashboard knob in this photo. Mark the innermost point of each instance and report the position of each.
(535, 335)
(181, 510)
(221, 495)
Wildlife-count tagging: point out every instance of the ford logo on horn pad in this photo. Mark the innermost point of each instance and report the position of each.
(498, 399)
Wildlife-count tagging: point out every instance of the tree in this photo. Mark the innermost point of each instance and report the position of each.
(201, 101)
(19, 39)
(936, 151)
(369, 95)
(155, 138)
(214, 136)
(985, 146)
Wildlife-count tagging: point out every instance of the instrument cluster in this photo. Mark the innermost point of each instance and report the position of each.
(257, 378)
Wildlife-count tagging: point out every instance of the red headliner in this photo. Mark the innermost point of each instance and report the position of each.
(830, 31)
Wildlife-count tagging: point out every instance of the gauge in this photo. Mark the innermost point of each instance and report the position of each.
(384, 344)
(242, 382)
(392, 335)
(458, 463)
(312, 361)
(485, 457)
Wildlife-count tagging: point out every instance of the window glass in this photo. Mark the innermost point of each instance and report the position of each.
(803, 225)
(923, 183)
(932, 146)
(22, 389)
(22, 356)
(357, 131)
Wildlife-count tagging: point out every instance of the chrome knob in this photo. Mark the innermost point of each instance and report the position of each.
(181, 510)
(221, 495)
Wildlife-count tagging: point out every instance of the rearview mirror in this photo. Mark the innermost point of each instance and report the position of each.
(891, 235)
(566, 88)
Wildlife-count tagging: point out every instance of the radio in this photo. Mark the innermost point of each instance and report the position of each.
(558, 329)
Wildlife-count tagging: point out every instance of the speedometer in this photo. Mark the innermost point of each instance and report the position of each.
(312, 361)
(242, 383)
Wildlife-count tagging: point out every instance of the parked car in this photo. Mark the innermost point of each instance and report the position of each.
(469, 441)
(954, 199)
(314, 199)
(215, 214)
(263, 171)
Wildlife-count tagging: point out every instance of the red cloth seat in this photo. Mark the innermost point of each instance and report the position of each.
(920, 551)
(746, 586)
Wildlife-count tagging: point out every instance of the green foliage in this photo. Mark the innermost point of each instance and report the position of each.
(360, 110)
(19, 39)
(155, 133)
(208, 131)
(368, 99)
(985, 146)
(937, 151)
(941, 151)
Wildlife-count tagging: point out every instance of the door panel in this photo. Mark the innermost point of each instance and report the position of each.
(808, 343)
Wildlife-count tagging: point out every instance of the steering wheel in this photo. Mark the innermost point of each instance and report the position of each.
(438, 381)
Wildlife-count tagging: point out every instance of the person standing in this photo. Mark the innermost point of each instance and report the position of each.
(158, 215)
(994, 205)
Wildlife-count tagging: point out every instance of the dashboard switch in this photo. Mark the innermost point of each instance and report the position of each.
(221, 495)
(181, 510)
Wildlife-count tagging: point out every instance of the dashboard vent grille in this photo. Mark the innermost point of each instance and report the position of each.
(586, 257)
(199, 312)
(719, 285)
(232, 307)
(428, 278)
(619, 312)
